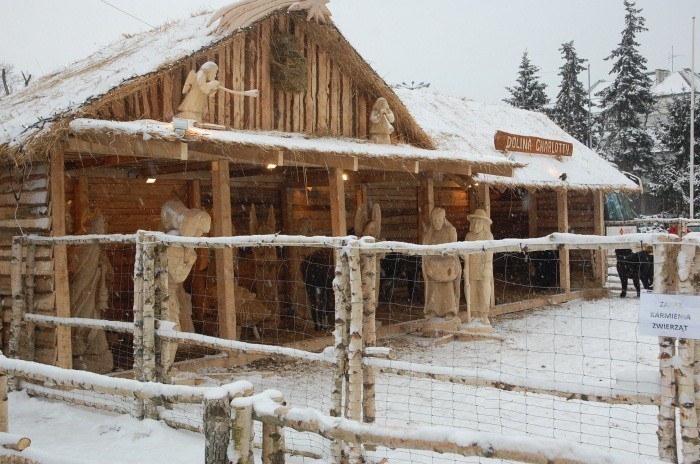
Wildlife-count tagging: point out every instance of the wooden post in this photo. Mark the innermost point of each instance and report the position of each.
(195, 194)
(426, 203)
(341, 290)
(242, 434)
(486, 193)
(666, 281)
(600, 270)
(27, 352)
(18, 296)
(273, 439)
(533, 230)
(81, 203)
(138, 318)
(163, 373)
(563, 226)
(355, 347)
(217, 433)
(223, 227)
(337, 197)
(4, 418)
(64, 351)
(369, 306)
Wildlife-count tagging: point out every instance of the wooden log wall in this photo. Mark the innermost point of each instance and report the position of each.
(546, 212)
(454, 201)
(509, 214)
(314, 205)
(332, 104)
(581, 213)
(399, 210)
(24, 202)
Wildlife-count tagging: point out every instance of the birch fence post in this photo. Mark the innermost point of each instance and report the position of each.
(273, 439)
(161, 346)
(243, 434)
(148, 350)
(689, 350)
(355, 349)
(4, 421)
(138, 316)
(27, 350)
(18, 300)
(217, 423)
(369, 334)
(341, 289)
(665, 281)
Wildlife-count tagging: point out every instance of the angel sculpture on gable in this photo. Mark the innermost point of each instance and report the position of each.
(198, 87)
(381, 119)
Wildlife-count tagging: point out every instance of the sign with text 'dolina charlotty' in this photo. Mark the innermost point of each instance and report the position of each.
(669, 315)
(504, 141)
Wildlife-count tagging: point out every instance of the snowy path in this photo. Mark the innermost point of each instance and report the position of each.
(588, 342)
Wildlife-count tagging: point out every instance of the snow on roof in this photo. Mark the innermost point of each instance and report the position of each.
(463, 125)
(30, 112)
(675, 83)
(292, 142)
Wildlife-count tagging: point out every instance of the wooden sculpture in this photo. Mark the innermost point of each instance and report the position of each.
(199, 87)
(266, 262)
(180, 220)
(478, 285)
(90, 276)
(442, 274)
(382, 117)
(244, 13)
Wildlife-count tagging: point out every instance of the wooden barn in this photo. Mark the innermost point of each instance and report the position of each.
(98, 136)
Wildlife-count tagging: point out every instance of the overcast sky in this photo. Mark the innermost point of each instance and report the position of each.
(462, 47)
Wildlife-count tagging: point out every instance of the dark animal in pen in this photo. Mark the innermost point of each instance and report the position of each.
(544, 268)
(318, 272)
(636, 266)
(396, 268)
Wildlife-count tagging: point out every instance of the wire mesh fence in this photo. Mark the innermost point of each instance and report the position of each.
(578, 371)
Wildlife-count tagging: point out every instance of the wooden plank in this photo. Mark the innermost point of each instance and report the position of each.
(80, 204)
(64, 353)
(238, 69)
(311, 87)
(337, 200)
(195, 194)
(322, 122)
(426, 203)
(563, 226)
(346, 108)
(221, 192)
(168, 96)
(336, 89)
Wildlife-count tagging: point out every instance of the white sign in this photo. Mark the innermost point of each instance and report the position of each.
(614, 231)
(669, 315)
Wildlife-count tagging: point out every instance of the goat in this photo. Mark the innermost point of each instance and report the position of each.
(318, 272)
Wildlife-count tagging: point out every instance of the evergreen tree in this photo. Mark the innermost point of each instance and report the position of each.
(528, 92)
(671, 180)
(628, 101)
(570, 110)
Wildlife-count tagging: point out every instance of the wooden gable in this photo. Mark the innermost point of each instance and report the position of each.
(337, 101)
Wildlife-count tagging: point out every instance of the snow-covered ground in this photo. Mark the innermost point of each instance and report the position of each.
(586, 342)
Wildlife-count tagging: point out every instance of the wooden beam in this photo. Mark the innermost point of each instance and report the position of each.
(337, 196)
(601, 264)
(322, 160)
(532, 215)
(563, 226)
(390, 164)
(124, 145)
(64, 351)
(426, 203)
(221, 192)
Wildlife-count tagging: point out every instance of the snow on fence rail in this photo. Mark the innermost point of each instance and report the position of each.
(354, 357)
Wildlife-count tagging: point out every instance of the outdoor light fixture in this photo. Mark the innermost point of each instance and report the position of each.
(181, 125)
(345, 177)
(271, 166)
(151, 180)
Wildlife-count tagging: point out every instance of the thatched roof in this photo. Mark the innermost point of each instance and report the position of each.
(34, 118)
(463, 125)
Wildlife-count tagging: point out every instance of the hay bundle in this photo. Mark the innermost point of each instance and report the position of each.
(287, 63)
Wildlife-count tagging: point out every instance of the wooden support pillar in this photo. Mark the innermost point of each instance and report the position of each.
(533, 231)
(221, 189)
(64, 352)
(486, 193)
(195, 194)
(217, 429)
(426, 203)
(337, 194)
(600, 269)
(563, 226)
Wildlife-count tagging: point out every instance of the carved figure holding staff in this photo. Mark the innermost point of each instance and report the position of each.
(199, 87)
(478, 285)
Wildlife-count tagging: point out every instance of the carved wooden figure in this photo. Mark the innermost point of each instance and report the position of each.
(180, 220)
(442, 274)
(90, 276)
(266, 262)
(199, 87)
(381, 119)
(480, 268)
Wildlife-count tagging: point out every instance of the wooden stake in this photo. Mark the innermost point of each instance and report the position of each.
(369, 302)
(18, 297)
(601, 263)
(223, 227)
(337, 197)
(563, 226)
(138, 318)
(27, 351)
(64, 351)
(4, 424)
(341, 290)
(355, 348)
(148, 319)
(242, 435)
(217, 433)
(273, 439)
